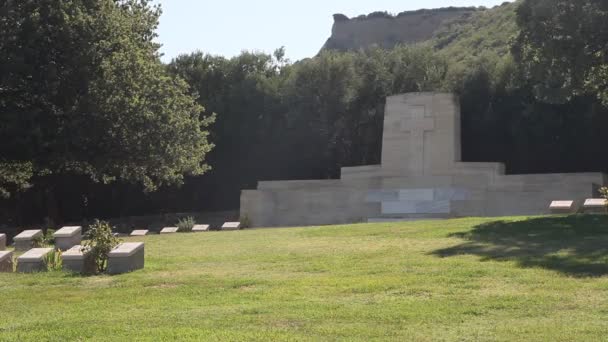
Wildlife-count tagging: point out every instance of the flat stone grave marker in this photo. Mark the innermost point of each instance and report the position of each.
(169, 230)
(33, 260)
(126, 257)
(595, 205)
(78, 260)
(6, 261)
(140, 232)
(27, 239)
(68, 237)
(200, 228)
(231, 226)
(562, 207)
(2, 242)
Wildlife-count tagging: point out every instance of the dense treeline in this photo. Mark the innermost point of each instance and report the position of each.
(276, 120)
(85, 100)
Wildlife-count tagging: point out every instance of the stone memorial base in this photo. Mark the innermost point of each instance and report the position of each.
(27, 240)
(126, 257)
(199, 228)
(78, 261)
(6, 261)
(169, 230)
(231, 226)
(2, 242)
(141, 232)
(562, 207)
(68, 237)
(595, 206)
(33, 260)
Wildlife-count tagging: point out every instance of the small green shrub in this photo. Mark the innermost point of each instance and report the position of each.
(48, 238)
(185, 225)
(38, 242)
(53, 261)
(604, 192)
(100, 241)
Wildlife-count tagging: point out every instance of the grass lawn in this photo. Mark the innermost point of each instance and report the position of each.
(509, 279)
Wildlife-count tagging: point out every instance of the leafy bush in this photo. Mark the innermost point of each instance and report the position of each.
(38, 242)
(604, 192)
(185, 225)
(53, 261)
(100, 241)
(48, 239)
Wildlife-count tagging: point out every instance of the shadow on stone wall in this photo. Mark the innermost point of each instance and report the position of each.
(575, 245)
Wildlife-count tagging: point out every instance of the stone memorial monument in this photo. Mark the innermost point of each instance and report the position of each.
(78, 259)
(126, 257)
(595, 205)
(562, 207)
(199, 228)
(33, 260)
(27, 239)
(231, 226)
(2, 242)
(6, 261)
(68, 237)
(421, 176)
(169, 230)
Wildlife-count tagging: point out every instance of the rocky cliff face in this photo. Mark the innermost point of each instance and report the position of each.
(386, 31)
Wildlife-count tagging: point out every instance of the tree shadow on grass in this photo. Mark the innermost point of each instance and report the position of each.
(574, 245)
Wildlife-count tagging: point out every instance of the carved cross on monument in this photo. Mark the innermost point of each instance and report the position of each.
(417, 124)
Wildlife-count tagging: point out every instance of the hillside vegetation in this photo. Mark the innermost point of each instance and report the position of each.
(460, 33)
(508, 279)
(482, 33)
(387, 31)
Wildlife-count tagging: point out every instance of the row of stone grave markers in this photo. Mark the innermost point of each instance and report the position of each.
(126, 257)
(590, 206)
(199, 228)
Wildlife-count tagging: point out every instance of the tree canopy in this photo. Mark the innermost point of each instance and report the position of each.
(83, 91)
(563, 47)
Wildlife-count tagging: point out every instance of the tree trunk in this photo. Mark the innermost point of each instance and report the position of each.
(52, 205)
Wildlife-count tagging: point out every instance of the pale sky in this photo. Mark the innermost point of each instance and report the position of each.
(227, 27)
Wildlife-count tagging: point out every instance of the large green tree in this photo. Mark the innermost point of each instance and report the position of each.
(83, 92)
(563, 47)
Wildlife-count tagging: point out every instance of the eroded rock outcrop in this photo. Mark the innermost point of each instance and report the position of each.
(385, 30)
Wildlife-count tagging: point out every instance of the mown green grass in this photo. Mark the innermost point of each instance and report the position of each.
(513, 279)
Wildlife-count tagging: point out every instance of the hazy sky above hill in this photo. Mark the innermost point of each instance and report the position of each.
(227, 27)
